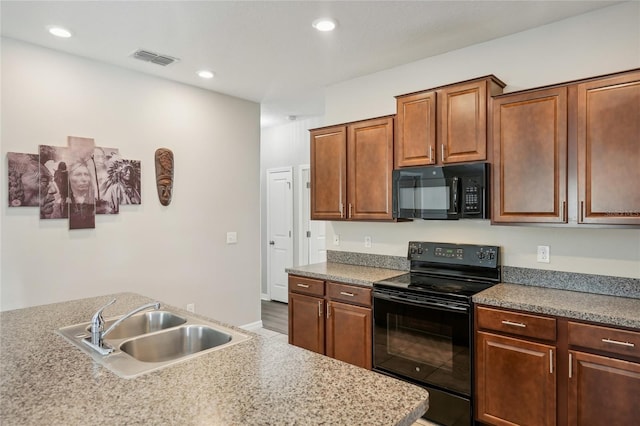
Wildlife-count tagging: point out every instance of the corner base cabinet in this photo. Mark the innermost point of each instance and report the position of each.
(542, 370)
(331, 318)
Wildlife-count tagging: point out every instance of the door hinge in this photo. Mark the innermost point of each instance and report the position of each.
(289, 234)
(308, 185)
(308, 234)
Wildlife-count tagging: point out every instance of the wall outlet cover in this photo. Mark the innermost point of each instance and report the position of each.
(543, 254)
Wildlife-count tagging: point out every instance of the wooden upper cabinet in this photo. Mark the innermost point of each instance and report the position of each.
(445, 125)
(328, 172)
(351, 171)
(530, 157)
(369, 170)
(608, 134)
(415, 143)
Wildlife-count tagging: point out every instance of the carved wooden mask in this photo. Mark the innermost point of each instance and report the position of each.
(164, 175)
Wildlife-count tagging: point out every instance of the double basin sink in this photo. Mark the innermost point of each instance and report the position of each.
(149, 341)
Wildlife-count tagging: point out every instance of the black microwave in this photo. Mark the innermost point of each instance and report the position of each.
(457, 191)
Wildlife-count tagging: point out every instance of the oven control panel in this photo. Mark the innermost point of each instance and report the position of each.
(459, 254)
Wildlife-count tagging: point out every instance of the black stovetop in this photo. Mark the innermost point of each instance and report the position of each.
(419, 283)
(453, 271)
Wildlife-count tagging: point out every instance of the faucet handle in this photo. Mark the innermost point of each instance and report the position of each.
(97, 322)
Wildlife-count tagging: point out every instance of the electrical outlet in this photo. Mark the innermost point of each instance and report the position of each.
(191, 307)
(367, 241)
(543, 254)
(336, 239)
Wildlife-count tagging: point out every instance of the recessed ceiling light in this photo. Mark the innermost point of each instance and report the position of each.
(205, 74)
(60, 32)
(324, 24)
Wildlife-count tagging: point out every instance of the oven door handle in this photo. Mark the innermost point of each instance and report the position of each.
(420, 303)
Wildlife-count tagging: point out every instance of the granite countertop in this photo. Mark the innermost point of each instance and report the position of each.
(600, 308)
(44, 379)
(609, 310)
(345, 273)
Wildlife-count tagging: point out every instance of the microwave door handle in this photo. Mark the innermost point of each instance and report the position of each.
(416, 184)
(455, 195)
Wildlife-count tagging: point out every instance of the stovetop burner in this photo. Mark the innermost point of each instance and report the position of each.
(452, 271)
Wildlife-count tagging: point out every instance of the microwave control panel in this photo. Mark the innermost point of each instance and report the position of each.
(473, 194)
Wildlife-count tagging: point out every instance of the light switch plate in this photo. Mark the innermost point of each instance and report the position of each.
(367, 241)
(336, 239)
(232, 237)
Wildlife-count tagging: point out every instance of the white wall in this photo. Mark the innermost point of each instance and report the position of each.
(604, 41)
(283, 146)
(177, 254)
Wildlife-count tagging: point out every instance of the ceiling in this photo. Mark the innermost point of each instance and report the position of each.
(267, 51)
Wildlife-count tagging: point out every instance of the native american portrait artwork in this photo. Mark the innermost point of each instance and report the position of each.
(164, 175)
(75, 182)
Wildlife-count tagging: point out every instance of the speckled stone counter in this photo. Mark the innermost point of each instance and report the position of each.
(611, 310)
(345, 273)
(46, 380)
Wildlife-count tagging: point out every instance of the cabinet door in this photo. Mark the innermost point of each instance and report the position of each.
(515, 381)
(603, 391)
(415, 143)
(370, 166)
(462, 123)
(609, 150)
(306, 322)
(349, 334)
(530, 157)
(328, 173)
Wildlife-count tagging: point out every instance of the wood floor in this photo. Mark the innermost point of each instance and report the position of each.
(275, 316)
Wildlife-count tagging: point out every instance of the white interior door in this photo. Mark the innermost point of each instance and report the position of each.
(312, 235)
(279, 231)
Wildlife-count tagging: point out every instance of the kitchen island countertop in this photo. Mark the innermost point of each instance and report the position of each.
(44, 379)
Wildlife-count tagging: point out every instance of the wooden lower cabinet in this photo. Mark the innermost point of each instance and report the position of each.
(542, 370)
(516, 381)
(603, 390)
(306, 325)
(335, 321)
(348, 334)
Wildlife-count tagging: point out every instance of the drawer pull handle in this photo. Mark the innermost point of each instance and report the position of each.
(515, 324)
(303, 285)
(551, 361)
(320, 309)
(617, 342)
(344, 293)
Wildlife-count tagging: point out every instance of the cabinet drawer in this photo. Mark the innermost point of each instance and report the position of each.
(608, 339)
(521, 324)
(349, 293)
(304, 285)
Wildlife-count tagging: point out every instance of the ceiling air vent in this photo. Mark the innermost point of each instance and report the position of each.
(156, 58)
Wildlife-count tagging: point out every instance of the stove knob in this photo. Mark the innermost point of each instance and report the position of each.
(492, 255)
(481, 255)
(420, 250)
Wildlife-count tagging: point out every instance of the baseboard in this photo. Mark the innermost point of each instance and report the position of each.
(264, 296)
(252, 326)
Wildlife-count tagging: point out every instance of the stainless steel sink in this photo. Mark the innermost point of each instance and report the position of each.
(175, 343)
(142, 324)
(154, 340)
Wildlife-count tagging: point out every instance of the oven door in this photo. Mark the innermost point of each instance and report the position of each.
(428, 343)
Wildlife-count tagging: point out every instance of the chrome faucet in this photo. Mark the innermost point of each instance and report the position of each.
(97, 326)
